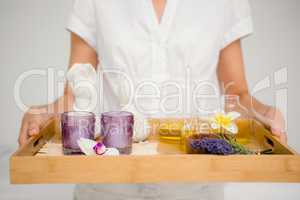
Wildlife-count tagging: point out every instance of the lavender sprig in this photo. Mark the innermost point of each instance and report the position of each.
(212, 146)
(238, 148)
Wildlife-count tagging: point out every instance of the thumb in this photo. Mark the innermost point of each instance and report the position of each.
(33, 129)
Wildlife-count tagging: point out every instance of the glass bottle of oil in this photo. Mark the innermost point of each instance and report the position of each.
(170, 129)
(244, 122)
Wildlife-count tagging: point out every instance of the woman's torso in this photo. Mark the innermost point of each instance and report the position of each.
(180, 54)
(177, 55)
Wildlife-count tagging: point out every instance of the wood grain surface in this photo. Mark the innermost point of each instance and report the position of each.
(169, 165)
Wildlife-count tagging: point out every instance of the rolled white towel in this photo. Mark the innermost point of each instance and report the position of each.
(82, 79)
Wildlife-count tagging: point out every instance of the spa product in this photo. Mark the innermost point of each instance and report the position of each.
(169, 129)
(244, 122)
(117, 130)
(220, 139)
(82, 79)
(76, 125)
(214, 144)
(211, 146)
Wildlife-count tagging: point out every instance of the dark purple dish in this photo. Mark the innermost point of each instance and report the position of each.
(76, 125)
(117, 130)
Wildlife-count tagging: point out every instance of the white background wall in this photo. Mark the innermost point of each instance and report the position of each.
(32, 36)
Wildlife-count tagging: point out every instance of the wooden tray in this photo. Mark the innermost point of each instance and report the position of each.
(31, 165)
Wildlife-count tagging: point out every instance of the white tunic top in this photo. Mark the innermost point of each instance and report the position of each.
(177, 55)
(142, 56)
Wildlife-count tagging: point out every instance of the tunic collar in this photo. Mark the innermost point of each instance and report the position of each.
(160, 30)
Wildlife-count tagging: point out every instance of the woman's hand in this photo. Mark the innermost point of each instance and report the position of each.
(231, 75)
(32, 121)
(272, 119)
(36, 117)
(275, 121)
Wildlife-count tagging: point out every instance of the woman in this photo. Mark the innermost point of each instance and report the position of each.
(159, 41)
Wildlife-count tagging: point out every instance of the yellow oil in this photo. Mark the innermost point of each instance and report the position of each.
(167, 129)
(245, 131)
(170, 129)
(184, 139)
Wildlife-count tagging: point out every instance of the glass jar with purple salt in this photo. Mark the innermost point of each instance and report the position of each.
(76, 125)
(117, 130)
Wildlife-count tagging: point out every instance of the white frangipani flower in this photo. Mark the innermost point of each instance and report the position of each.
(225, 121)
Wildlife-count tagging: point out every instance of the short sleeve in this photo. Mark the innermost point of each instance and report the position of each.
(82, 21)
(238, 21)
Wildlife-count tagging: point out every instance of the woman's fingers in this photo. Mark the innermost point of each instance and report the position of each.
(33, 128)
(276, 131)
(280, 134)
(31, 123)
(30, 127)
(283, 137)
(23, 133)
(276, 121)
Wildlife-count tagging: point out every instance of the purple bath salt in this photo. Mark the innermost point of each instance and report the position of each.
(76, 125)
(117, 130)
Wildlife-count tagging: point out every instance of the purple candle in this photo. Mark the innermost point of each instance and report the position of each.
(76, 125)
(117, 130)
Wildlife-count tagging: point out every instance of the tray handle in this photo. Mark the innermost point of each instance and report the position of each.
(35, 143)
(270, 140)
